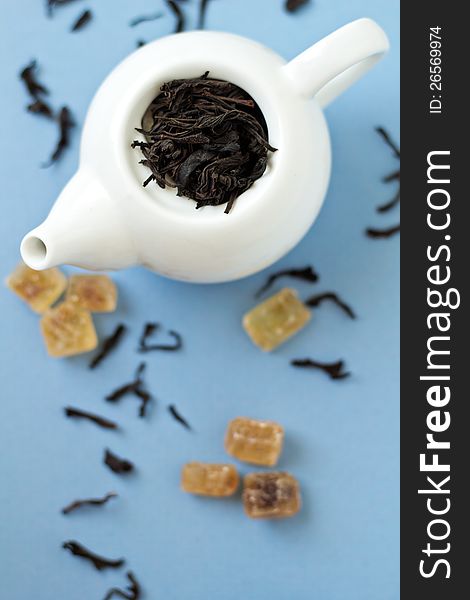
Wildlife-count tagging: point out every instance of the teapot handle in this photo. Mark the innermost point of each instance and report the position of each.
(337, 61)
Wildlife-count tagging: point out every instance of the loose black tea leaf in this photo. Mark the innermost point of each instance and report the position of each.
(28, 76)
(388, 140)
(144, 19)
(132, 593)
(305, 274)
(82, 20)
(145, 398)
(127, 387)
(176, 415)
(180, 22)
(205, 137)
(39, 107)
(98, 562)
(76, 504)
(116, 464)
(118, 393)
(149, 329)
(66, 123)
(391, 203)
(293, 5)
(82, 414)
(35, 89)
(140, 43)
(334, 370)
(393, 176)
(382, 233)
(202, 13)
(52, 4)
(109, 344)
(135, 387)
(319, 298)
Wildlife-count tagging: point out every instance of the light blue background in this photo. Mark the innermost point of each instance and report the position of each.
(342, 437)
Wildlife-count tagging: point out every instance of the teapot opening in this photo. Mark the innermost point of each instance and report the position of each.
(165, 202)
(34, 252)
(205, 136)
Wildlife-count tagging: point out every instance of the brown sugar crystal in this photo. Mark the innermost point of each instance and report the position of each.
(96, 293)
(256, 442)
(271, 495)
(209, 479)
(68, 329)
(276, 319)
(39, 289)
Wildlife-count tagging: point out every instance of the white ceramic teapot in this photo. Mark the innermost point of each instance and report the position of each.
(104, 218)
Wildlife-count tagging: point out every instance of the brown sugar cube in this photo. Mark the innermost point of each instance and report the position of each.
(276, 319)
(208, 479)
(68, 329)
(271, 495)
(96, 293)
(39, 289)
(256, 442)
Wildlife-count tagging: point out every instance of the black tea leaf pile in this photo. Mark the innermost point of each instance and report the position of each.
(207, 138)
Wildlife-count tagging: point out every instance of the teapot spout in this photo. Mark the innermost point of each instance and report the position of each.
(84, 229)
